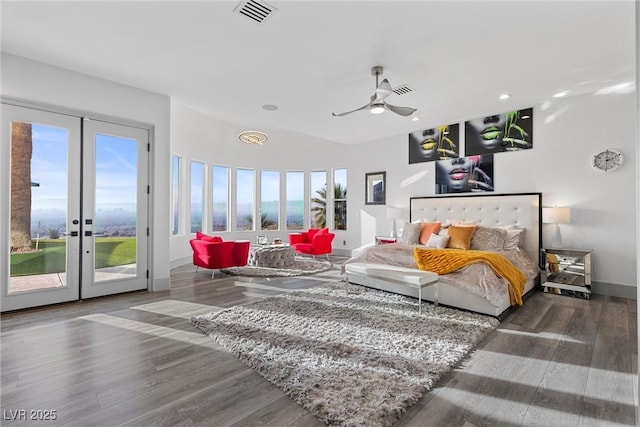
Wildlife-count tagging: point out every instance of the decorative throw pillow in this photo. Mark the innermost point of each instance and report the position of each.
(438, 241)
(460, 237)
(465, 224)
(488, 239)
(206, 238)
(514, 238)
(428, 228)
(411, 233)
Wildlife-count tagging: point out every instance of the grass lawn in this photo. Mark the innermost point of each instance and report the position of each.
(51, 257)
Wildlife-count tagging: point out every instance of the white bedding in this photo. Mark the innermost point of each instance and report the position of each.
(477, 279)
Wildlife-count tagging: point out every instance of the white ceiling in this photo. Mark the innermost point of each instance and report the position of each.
(313, 57)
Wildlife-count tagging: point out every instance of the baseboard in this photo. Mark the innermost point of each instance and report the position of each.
(162, 284)
(614, 290)
(341, 252)
(180, 261)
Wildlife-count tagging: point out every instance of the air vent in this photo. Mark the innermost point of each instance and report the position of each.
(257, 11)
(402, 90)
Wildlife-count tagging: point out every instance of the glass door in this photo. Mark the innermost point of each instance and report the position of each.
(39, 207)
(115, 198)
(73, 211)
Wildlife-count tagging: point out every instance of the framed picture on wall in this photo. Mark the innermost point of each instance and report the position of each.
(510, 131)
(465, 175)
(375, 186)
(438, 143)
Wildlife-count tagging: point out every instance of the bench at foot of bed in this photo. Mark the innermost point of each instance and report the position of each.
(407, 276)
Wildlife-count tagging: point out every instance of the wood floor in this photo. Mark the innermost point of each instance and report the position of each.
(134, 360)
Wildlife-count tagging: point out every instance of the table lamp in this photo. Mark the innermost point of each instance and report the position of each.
(556, 216)
(393, 214)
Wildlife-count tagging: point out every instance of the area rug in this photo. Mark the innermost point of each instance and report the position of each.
(350, 358)
(301, 266)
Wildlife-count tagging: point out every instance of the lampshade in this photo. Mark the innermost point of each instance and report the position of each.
(556, 215)
(394, 213)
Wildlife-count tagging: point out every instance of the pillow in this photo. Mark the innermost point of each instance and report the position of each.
(411, 233)
(488, 239)
(206, 238)
(437, 241)
(428, 228)
(312, 232)
(465, 224)
(460, 237)
(514, 238)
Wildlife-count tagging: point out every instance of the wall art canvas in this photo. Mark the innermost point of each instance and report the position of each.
(428, 145)
(510, 131)
(465, 174)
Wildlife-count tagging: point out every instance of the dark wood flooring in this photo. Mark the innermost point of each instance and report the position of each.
(134, 360)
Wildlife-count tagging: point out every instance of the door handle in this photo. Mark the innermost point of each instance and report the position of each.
(74, 234)
(88, 233)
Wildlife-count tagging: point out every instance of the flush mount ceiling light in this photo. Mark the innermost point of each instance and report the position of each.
(505, 96)
(253, 137)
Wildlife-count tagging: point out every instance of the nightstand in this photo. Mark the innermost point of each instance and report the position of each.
(384, 240)
(567, 272)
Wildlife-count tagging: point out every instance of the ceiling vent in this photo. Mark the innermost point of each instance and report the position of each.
(402, 90)
(257, 11)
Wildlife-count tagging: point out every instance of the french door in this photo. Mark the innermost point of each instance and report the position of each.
(73, 213)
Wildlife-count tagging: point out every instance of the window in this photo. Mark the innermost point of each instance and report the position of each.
(295, 200)
(270, 200)
(318, 199)
(220, 198)
(175, 194)
(197, 195)
(340, 199)
(245, 196)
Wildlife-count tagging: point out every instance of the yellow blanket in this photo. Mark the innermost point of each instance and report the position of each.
(443, 261)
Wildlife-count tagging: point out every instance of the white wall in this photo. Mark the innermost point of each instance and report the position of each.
(567, 133)
(44, 84)
(197, 136)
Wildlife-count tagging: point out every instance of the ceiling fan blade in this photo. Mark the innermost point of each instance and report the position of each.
(364, 107)
(403, 111)
(383, 90)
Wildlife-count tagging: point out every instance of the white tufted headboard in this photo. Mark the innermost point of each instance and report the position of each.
(491, 210)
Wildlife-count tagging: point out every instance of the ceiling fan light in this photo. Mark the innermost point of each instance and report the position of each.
(376, 109)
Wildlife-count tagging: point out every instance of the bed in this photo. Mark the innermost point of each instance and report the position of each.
(474, 287)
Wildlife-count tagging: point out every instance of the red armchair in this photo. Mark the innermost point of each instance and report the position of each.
(312, 242)
(214, 253)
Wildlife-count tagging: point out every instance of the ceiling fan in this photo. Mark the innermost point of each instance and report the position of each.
(377, 104)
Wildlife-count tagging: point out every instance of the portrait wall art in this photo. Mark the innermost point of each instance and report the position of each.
(440, 142)
(465, 174)
(510, 131)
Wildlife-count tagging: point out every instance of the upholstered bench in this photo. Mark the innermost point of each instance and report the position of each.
(393, 274)
(272, 256)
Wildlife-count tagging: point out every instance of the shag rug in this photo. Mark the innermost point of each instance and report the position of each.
(350, 358)
(301, 266)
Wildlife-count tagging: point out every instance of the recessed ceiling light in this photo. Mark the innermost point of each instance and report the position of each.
(415, 119)
(505, 96)
(269, 107)
(561, 94)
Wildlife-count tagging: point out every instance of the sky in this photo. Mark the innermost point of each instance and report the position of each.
(115, 166)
